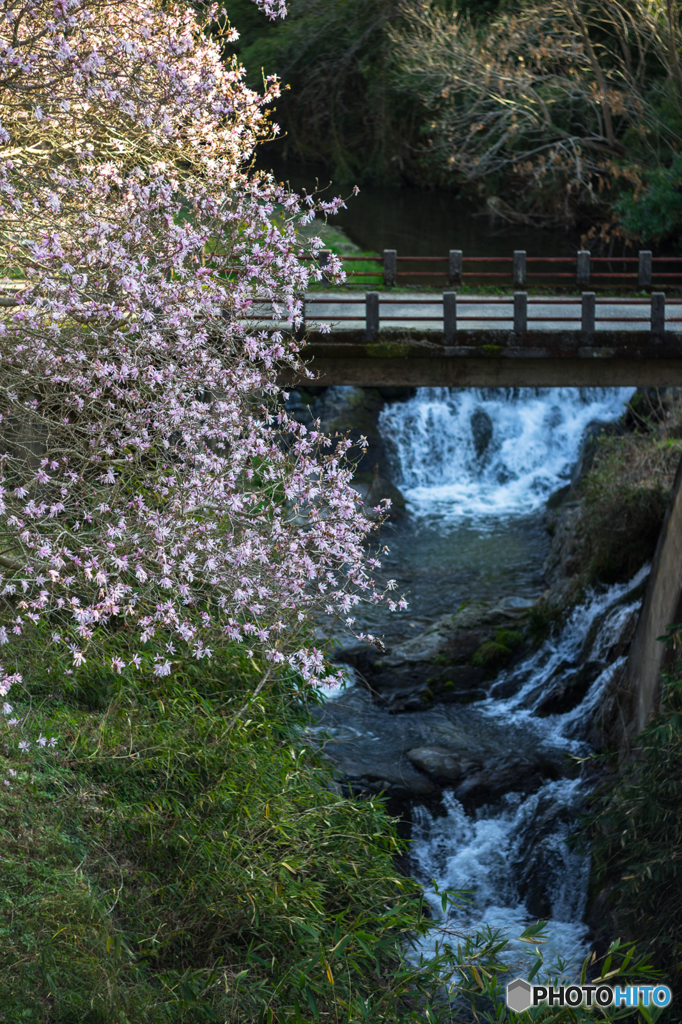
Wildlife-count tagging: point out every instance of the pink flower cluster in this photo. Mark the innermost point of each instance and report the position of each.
(155, 500)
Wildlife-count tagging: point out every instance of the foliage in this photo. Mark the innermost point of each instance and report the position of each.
(495, 652)
(341, 108)
(625, 496)
(549, 111)
(559, 103)
(543, 618)
(188, 857)
(637, 838)
(655, 213)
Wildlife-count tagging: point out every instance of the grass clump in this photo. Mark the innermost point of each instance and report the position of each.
(543, 618)
(186, 858)
(496, 652)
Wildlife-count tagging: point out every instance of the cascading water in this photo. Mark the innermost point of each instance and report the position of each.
(514, 856)
(476, 467)
(471, 453)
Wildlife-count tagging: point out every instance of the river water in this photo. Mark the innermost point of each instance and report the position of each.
(476, 468)
(421, 222)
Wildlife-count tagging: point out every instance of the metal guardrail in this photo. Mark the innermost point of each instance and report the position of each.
(454, 314)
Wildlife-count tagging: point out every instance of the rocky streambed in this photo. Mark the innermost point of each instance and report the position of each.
(478, 719)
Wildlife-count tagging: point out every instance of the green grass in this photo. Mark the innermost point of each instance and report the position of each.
(625, 496)
(188, 857)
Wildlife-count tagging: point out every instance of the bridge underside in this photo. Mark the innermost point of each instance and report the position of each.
(401, 357)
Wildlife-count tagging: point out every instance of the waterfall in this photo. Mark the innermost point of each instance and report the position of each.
(473, 452)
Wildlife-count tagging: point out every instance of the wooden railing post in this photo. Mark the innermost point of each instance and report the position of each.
(645, 272)
(450, 316)
(390, 267)
(583, 268)
(371, 315)
(520, 312)
(455, 267)
(588, 314)
(657, 314)
(519, 268)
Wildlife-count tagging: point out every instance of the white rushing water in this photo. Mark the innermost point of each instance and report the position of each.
(486, 455)
(471, 452)
(496, 852)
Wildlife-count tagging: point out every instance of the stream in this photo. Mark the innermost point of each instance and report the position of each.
(487, 771)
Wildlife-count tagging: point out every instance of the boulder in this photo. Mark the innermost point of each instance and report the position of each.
(442, 764)
(482, 431)
(436, 666)
(413, 757)
(540, 856)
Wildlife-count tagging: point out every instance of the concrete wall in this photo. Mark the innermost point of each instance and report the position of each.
(661, 607)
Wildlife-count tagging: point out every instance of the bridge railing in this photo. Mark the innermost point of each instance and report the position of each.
(641, 271)
(451, 312)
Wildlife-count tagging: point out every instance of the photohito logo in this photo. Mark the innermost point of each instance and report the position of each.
(521, 995)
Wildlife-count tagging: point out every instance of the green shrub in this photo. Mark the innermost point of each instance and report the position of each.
(182, 861)
(495, 652)
(637, 839)
(656, 213)
(543, 619)
(188, 858)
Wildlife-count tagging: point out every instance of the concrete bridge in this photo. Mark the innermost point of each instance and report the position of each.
(487, 341)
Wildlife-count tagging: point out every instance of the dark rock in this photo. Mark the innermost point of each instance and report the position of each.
(569, 689)
(355, 411)
(506, 687)
(505, 774)
(435, 667)
(565, 561)
(558, 497)
(594, 432)
(412, 757)
(538, 861)
(396, 394)
(442, 764)
(482, 431)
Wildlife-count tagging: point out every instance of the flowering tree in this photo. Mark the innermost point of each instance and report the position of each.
(155, 501)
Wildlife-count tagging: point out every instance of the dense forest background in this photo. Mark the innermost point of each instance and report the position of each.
(552, 111)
